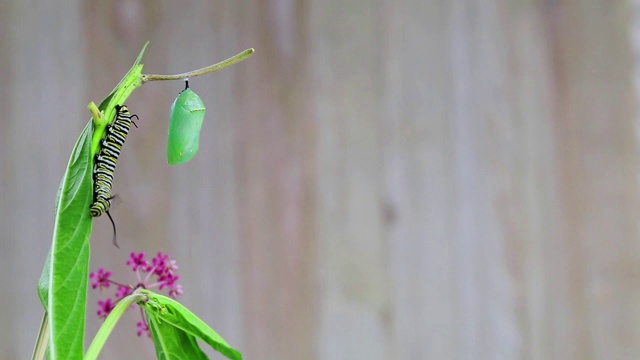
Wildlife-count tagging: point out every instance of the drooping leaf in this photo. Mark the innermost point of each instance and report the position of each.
(173, 343)
(168, 312)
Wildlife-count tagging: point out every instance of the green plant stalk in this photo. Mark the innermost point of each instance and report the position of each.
(110, 322)
(40, 349)
(206, 70)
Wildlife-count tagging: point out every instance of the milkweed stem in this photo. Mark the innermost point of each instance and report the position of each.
(206, 70)
(110, 322)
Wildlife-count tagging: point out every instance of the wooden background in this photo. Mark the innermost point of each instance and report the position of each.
(412, 179)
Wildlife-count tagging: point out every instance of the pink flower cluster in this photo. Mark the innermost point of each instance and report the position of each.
(159, 273)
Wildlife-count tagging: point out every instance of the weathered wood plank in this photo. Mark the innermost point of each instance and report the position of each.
(387, 179)
(42, 109)
(275, 137)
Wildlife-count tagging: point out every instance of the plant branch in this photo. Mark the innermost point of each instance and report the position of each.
(43, 339)
(206, 70)
(110, 322)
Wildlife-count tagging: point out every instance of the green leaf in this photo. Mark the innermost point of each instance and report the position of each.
(62, 287)
(63, 284)
(173, 343)
(43, 283)
(109, 323)
(131, 81)
(106, 101)
(164, 311)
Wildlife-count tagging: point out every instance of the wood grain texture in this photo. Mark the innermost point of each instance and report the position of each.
(382, 179)
(41, 111)
(275, 174)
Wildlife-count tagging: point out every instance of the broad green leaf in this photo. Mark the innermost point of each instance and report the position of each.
(64, 295)
(62, 287)
(173, 343)
(166, 311)
(118, 96)
(106, 101)
(43, 283)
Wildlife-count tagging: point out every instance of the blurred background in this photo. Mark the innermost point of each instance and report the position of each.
(381, 180)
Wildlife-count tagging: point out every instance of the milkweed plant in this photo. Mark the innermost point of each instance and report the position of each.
(155, 287)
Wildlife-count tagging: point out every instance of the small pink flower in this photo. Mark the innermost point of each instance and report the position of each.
(104, 308)
(100, 279)
(123, 291)
(137, 261)
(161, 273)
(143, 328)
(175, 290)
(172, 266)
(167, 280)
(159, 263)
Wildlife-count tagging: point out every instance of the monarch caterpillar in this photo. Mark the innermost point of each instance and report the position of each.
(185, 122)
(105, 163)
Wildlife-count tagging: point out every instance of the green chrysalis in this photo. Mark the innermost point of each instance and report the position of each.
(185, 122)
